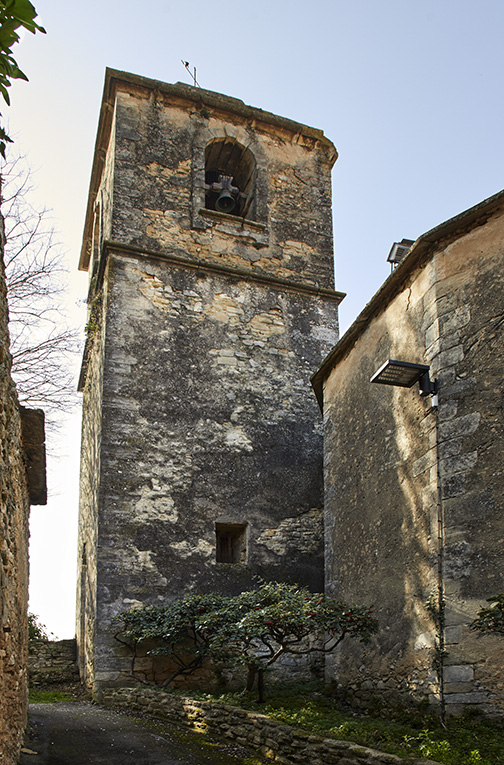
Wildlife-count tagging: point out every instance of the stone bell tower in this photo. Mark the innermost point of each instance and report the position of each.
(208, 241)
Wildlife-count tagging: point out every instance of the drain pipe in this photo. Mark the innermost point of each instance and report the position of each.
(441, 604)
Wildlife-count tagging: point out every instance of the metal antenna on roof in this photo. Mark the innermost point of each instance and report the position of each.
(185, 64)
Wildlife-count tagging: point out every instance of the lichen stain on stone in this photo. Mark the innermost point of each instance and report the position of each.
(153, 505)
(144, 562)
(327, 335)
(242, 411)
(130, 603)
(236, 438)
(185, 549)
(216, 433)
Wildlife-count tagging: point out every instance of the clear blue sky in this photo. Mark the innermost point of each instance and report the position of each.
(410, 93)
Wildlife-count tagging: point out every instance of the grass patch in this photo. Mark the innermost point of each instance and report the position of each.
(48, 697)
(467, 740)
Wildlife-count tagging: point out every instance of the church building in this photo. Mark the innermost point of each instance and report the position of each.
(208, 242)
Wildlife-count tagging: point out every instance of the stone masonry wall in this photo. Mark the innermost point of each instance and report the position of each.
(158, 191)
(204, 329)
(14, 511)
(51, 662)
(381, 509)
(90, 472)
(206, 418)
(464, 337)
(394, 531)
(276, 742)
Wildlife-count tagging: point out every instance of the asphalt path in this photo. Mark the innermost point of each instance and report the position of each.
(80, 733)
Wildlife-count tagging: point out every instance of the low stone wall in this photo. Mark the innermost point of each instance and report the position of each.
(280, 743)
(476, 687)
(52, 662)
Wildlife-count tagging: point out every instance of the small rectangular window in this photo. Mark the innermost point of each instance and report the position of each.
(231, 542)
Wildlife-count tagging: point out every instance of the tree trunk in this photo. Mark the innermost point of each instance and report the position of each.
(260, 685)
(251, 673)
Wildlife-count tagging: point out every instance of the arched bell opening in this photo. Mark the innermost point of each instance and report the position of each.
(230, 171)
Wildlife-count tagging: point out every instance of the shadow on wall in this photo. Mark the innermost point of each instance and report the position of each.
(383, 493)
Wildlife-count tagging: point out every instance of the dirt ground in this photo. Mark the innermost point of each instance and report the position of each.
(79, 732)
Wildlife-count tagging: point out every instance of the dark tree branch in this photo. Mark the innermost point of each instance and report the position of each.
(42, 343)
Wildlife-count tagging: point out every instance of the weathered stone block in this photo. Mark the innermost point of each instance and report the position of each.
(453, 320)
(454, 485)
(460, 426)
(475, 697)
(450, 356)
(425, 462)
(458, 463)
(459, 673)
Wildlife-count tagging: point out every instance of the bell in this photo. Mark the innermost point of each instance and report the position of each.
(225, 202)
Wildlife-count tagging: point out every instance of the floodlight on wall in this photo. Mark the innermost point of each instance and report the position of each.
(405, 375)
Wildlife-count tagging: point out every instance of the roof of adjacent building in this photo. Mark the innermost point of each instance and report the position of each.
(420, 252)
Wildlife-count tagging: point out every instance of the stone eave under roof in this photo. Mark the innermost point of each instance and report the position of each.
(116, 80)
(420, 252)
